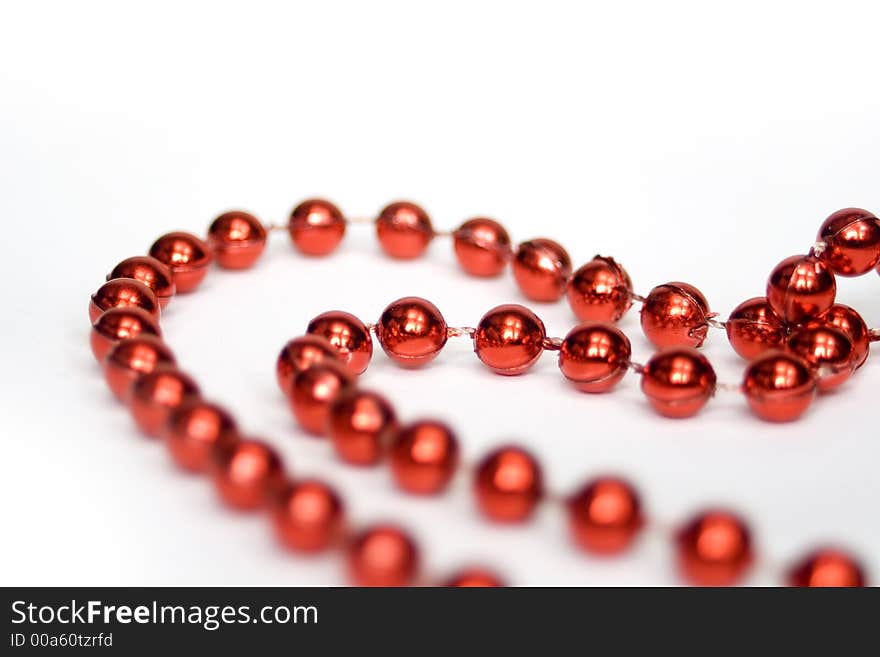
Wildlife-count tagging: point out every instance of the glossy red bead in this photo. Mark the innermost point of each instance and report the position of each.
(193, 431)
(508, 485)
(314, 390)
(237, 239)
(675, 314)
(186, 255)
(678, 381)
(595, 356)
(509, 339)
(308, 516)
(248, 474)
(800, 288)
(300, 354)
(404, 230)
(482, 247)
(753, 328)
(382, 555)
(424, 456)
(412, 331)
(474, 578)
(605, 516)
(851, 323)
(600, 290)
(132, 358)
(154, 274)
(852, 242)
(349, 335)
(118, 324)
(156, 394)
(541, 269)
(827, 350)
(316, 227)
(361, 425)
(779, 386)
(123, 293)
(827, 567)
(714, 549)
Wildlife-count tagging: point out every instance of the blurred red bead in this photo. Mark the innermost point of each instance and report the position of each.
(349, 335)
(247, 473)
(541, 268)
(118, 324)
(123, 293)
(154, 274)
(605, 516)
(308, 516)
(316, 227)
(237, 239)
(404, 230)
(753, 328)
(827, 567)
(474, 578)
(509, 339)
(382, 555)
(675, 314)
(412, 331)
(600, 290)
(714, 549)
(851, 323)
(595, 356)
(827, 350)
(424, 457)
(193, 431)
(678, 381)
(186, 255)
(361, 426)
(482, 247)
(508, 485)
(779, 386)
(314, 390)
(852, 242)
(300, 354)
(155, 394)
(132, 358)
(799, 288)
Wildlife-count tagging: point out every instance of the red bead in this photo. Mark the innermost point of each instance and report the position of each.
(474, 578)
(348, 335)
(778, 386)
(382, 555)
(594, 356)
(852, 242)
(119, 324)
(316, 227)
(300, 354)
(482, 247)
(799, 288)
(186, 255)
(156, 394)
(314, 390)
(714, 549)
(248, 474)
(404, 230)
(753, 328)
(851, 323)
(600, 290)
(675, 314)
(424, 457)
(237, 239)
(827, 350)
(827, 567)
(411, 331)
(678, 381)
(605, 516)
(361, 426)
(132, 358)
(509, 339)
(155, 275)
(193, 431)
(308, 516)
(541, 268)
(508, 485)
(123, 293)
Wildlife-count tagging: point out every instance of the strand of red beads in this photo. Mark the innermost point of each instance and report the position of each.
(798, 338)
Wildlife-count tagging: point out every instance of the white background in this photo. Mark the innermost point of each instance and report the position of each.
(692, 142)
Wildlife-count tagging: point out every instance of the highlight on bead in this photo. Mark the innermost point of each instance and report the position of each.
(247, 473)
(404, 230)
(605, 515)
(851, 239)
(714, 549)
(541, 269)
(186, 255)
(154, 274)
(482, 247)
(508, 485)
(313, 392)
(123, 293)
(827, 567)
(156, 394)
(600, 290)
(237, 239)
(300, 354)
(827, 350)
(382, 555)
(595, 356)
(675, 314)
(678, 381)
(424, 457)
(361, 425)
(118, 324)
(800, 288)
(411, 331)
(193, 431)
(853, 326)
(131, 358)
(753, 328)
(316, 227)
(509, 339)
(308, 516)
(349, 335)
(779, 386)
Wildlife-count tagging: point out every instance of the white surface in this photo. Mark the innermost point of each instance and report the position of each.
(689, 142)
